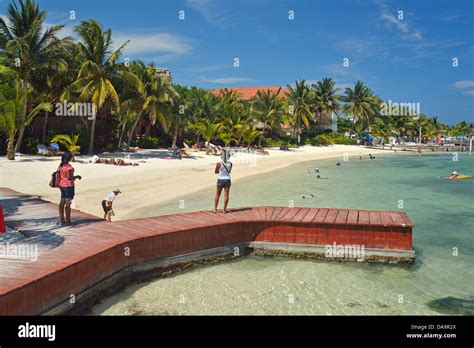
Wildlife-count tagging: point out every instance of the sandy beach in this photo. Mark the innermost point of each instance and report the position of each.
(157, 179)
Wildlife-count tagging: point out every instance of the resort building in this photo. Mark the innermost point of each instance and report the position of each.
(163, 72)
(248, 93)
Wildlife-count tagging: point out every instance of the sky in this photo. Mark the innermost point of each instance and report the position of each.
(407, 51)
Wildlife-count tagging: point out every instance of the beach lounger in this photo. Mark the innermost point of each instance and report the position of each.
(44, 151)
(194, 148)
(54, 147)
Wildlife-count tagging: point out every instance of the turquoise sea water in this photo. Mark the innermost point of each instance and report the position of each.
(441, 281)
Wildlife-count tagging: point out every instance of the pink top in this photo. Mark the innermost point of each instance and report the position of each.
(64, 181)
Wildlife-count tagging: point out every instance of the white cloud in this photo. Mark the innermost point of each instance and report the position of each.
(463, 84)
(468, 92)
(212, 12)
(228, 80)
(206, 68)
(152, 43)
(388, 17)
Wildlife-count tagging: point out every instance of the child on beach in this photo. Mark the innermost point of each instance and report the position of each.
(107, 204)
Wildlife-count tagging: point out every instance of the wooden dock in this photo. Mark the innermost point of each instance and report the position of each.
(74, 259)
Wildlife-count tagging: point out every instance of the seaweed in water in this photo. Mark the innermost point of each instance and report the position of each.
(453, 305)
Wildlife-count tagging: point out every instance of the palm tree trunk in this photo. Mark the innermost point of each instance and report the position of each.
(45, 125)
(91, 141)
(175, 137)
(132, 130)
(10, 148)
(22, 124)
(122, 132)
(352, 127)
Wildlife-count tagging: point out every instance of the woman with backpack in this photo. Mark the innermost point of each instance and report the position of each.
(66, 180)
(223, 168)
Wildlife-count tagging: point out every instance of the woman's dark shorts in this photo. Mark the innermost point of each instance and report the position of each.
(105, 206)
(223, 183)
(67, 193)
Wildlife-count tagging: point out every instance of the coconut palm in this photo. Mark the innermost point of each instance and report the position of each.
(208, 130)
(99, 74)
(361, 104)
(268, 109)
(69, 142)
(29, 48)
(13, 116)
(300, 105)
(249, 135)
(326, 99)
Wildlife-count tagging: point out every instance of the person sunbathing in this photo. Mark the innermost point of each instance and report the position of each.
(116, 162)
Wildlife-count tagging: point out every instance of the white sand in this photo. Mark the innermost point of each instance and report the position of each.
(154, 182)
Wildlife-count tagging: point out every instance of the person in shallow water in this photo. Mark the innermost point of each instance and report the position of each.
(223, 169)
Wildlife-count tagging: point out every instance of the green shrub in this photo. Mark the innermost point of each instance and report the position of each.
(151, 143)
(321, 140)
(32, 145)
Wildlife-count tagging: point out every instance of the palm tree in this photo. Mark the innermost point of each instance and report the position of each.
(249, 135)
(202, 105)
(99, 75)
(208, 130)
(30, 49)
(154, 100)
(300, 104)
(69, 142)
(326, 99)
(179, 114)
(13, 115)
(267, 108)
(359, 103)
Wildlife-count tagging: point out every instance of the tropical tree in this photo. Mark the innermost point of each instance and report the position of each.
(99, 74)
(30, 49)
(268, 109)
(13, 116)
(326, 99)
(300, 105)
(361, 104)
(249, 135)
(71, 143)
(208, 130)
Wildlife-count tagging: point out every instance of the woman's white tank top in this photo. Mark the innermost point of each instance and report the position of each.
(224, 170)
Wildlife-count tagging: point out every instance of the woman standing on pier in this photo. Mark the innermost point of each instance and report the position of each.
(66, 185)
(223, 168)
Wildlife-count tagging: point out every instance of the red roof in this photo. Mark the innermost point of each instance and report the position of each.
(247, 93)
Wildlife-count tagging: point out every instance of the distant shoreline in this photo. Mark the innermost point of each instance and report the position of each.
(158, 180)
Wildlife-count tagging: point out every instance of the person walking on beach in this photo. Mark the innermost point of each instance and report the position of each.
(107, 204)
(223, 169)
(66, 186)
